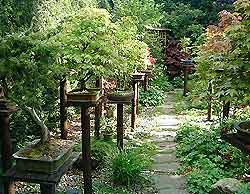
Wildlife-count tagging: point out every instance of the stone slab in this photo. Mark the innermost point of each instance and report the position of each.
(173, 191)
(168, 167)
(170, 181)
(161, 158)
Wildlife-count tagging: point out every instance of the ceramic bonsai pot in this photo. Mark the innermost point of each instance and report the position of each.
(41, 157)
(121, 96)
(243, 130)
(86, 95)
(138, 76)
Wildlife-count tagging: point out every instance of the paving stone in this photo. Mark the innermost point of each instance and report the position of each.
(166, 144)
(166, 162)
(167, 128)
(162, 157)
(167, 167)
(170, 182)
(173, 191)
(158, 139)
(163, 133)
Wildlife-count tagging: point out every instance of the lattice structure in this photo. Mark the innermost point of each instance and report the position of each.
(160, 33)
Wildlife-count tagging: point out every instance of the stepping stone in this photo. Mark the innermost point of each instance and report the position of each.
(173, 191)
(169, 122)
(170, 182)
(163, 133)
(165, 127)
(162, 158)
(166, 145)
(170, 167)
(161, 139)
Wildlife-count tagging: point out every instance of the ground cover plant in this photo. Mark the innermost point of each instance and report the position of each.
(206, 157)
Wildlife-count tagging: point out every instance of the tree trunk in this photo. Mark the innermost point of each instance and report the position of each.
(44, 130)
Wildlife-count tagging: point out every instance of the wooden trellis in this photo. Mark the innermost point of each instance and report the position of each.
(160, 33)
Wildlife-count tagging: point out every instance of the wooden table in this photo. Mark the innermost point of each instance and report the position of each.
(47, 181)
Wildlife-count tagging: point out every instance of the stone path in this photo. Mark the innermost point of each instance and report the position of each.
(166, 163)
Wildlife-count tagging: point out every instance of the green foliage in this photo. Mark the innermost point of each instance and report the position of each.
(182, 19)
(160, 79)
(206, 157)
(227, 48)
(153, 97)
(245, 188)
(143, 12)
(89, 44)
(102, 188)
(37, 14)
(128, 166)
(103, 151)
(157, 88)
(177, 82)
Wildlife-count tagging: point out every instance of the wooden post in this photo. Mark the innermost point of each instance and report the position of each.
(86, 157)
(133, 115)
(98, 110)
(185, 81)
(209, 110)
(137, 98)
(63, 110)
(226, 109)
(120, 126)
(146, 82)
(6, 147)
(48, 188)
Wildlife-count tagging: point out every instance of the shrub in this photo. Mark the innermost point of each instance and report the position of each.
(101, 151)
(128, 167)
(207, 158)
(153, 97)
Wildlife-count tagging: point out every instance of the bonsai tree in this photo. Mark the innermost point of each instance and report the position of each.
(26, 77)
(89, 45)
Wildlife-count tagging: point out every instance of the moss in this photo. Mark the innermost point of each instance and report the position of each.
(50, 150)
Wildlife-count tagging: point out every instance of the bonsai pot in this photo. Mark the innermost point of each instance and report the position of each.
(138, 76)
(243, 130)
(86, 95)
(146, 71)
(121, 96)
(43, 158)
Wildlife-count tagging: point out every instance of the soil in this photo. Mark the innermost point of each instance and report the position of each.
(47, 151)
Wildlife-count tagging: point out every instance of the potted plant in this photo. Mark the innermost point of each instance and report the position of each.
(45, 155)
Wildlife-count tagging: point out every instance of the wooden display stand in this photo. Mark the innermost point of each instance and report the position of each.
(120, 129)
(84, 103)
(6, 148)
(137, 79)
